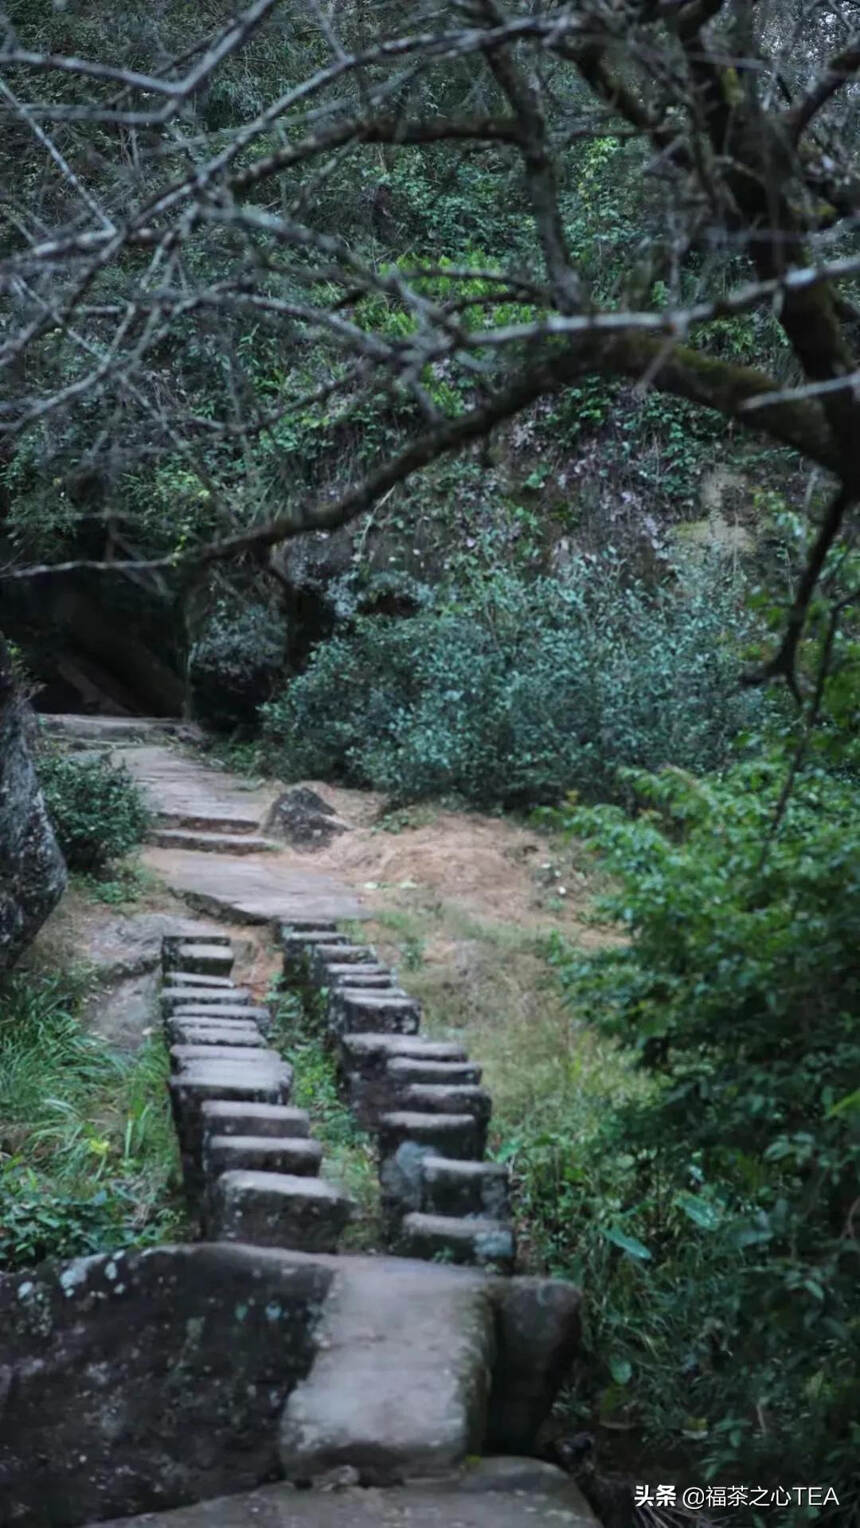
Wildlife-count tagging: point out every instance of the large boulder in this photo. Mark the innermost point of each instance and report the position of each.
(32, 869)
(304, 819)
(145, 1380)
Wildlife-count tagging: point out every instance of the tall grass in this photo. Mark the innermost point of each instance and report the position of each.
(88, 1158)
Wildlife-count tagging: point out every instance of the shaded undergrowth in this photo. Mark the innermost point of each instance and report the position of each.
(88, 1157)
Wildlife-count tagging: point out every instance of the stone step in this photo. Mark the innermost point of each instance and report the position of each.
(298, 945)
(350, 1011)
(188, 979)
(404, 1071)
(495, 1493)
(238, 823)
(323, 954)
(210, 842)
(369, 1055)
(205, 1079)
(306, 926)
(172, 943)
(242, 1055)
(364, 977)
(447, 1238)
(208, 959)
(447, 1135)
(225, 1013)
(400, 1384)
(440, 1098)
(462, 1189)
(220, 1117)
(278, 1210)
(363, 1060)
(183, 1031)
(261, 1153)
(174, 996)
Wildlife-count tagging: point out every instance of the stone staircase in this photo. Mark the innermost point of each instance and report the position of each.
(422, 1099)
(250, 1169)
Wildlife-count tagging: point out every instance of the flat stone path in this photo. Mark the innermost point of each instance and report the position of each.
(184, 791)
(253, 888)
(502, 1493)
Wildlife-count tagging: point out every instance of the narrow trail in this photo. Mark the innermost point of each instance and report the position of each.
(412, 1367)
(207, 843)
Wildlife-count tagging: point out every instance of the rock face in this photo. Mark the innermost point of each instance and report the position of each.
(147, 1380)
(135, 1382)
(304, 819)
(32, 869)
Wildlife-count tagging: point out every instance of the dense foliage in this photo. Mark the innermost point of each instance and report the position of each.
(517, 691)
(235, 663)
(714, 1215)
(96, 807)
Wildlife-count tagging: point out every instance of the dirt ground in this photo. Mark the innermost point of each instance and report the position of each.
(460, 903)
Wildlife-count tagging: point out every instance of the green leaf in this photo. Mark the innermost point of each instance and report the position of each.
(700, 1211)
(621, 1369)
(846, 1105)
(627, 1243)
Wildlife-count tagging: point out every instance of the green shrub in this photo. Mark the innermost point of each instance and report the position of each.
(713, 1217)
(236, 662)
(524, 691)
(96, 807)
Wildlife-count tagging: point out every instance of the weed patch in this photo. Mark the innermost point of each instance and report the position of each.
(88, 1158)
(348, 1155)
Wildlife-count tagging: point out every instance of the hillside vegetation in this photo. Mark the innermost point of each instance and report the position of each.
(460, 402)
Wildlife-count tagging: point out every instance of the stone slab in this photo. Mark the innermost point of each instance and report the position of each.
(135, 1381)
(396, 1390)
(351, 1011)
(210, 1077)
(197, 1032)
(259, 1058)
(406, 1070)
(189, 979)
(173, 996)
(504, 1493)
(268, 1209)
(220, 1117)
(209, 840)
(448, 1098)
(450, 1135)
(486, 1243)
(293, 1155)
(359, 976)
(252, 888)
(368, 1054)
(205, 959)
(465, 1188)
(226, 1013)
(182, 788)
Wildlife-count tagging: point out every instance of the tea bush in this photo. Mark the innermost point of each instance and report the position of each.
(96, 807)
(519, 692)
(713, 1217)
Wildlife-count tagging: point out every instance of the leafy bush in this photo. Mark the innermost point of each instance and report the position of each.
(713, 1216)
(235, 664)
(523, 691)
(96, 807)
